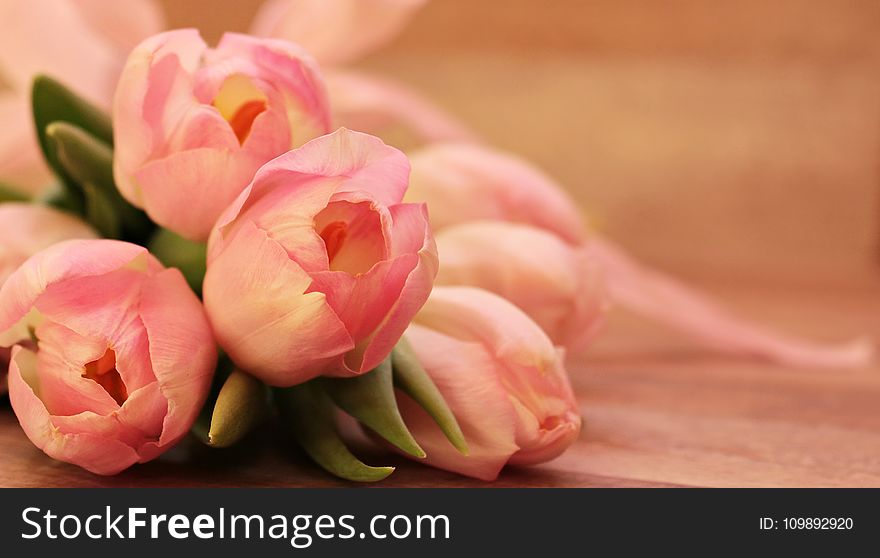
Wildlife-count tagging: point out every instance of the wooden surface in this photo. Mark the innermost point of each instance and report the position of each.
(657, 411)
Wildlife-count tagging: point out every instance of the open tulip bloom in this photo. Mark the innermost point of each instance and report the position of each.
(432, 295)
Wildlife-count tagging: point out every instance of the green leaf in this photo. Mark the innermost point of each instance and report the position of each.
(370, 399)
(411, 378)
(88, 165)
(240, 406)
(187, 256)
(99, 212)
(11, 194)
(309, 410)
(53, 102)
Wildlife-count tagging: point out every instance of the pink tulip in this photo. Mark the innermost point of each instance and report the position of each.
(335, 31)
(500, 375)
(318, 267)
(82, 43)
(193, 124)
(390, 110)
(463, 183)
(112, 354)
(558, 285)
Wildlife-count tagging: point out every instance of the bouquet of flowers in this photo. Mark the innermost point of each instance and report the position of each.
(197, 239)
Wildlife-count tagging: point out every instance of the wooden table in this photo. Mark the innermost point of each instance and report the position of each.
(657, 411)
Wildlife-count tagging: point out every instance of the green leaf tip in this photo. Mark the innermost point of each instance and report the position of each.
(411, 378)
(370, 399)
(310, 413)
(240, 406)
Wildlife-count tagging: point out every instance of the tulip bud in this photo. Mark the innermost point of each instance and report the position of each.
(112, 354)
(193, 124)
(463, 182)
(500, 375)
(325, 265)
(558, 285)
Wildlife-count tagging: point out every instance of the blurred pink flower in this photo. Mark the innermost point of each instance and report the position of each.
(325, 265)
(500, 375)
(558, 285)
(468, 182)
(25, 229)
(335, 31)
(83, 44)
(112, 354)
(339, 32)
(192, 124)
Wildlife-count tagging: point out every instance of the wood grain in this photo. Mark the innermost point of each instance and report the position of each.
(657, 411)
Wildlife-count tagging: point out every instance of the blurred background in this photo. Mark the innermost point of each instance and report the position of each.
(734, 141)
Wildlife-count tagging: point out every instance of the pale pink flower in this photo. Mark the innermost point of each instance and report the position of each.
(501, 376)
(112, 354)
(558, 285)
(318, 267)
(192, 124)
(467, 182)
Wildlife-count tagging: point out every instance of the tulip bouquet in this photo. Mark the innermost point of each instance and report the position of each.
(229, 241)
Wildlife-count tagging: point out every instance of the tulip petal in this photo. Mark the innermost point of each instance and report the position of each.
(557, 285)
(290, 69)
(411, 229)
(60, 262)
(154, 90)
(124, 23)
(25, 229)
(465, 373)
(211, 178)
(182, 350)
(468, 182)
(21, 163)
(271, 295)
(366, 163)
(659, 297)
(389, 109)
(97, 454)
(335, 31)
(52, 37)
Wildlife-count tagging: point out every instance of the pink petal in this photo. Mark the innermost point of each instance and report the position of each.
(386, 108)
(465, 373)
(335, 31)
(153, 93)
(208, 179)
(96, 453)
(292, 72)
(276, 330)
(411, 233)
(60, 262)
(557, 285)
(477, 316)
(21, 162)
(27, 228)
(367, 165)
(467, 182)
(123, 22)
(182, 349)
(659, 297)
(53, 37)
